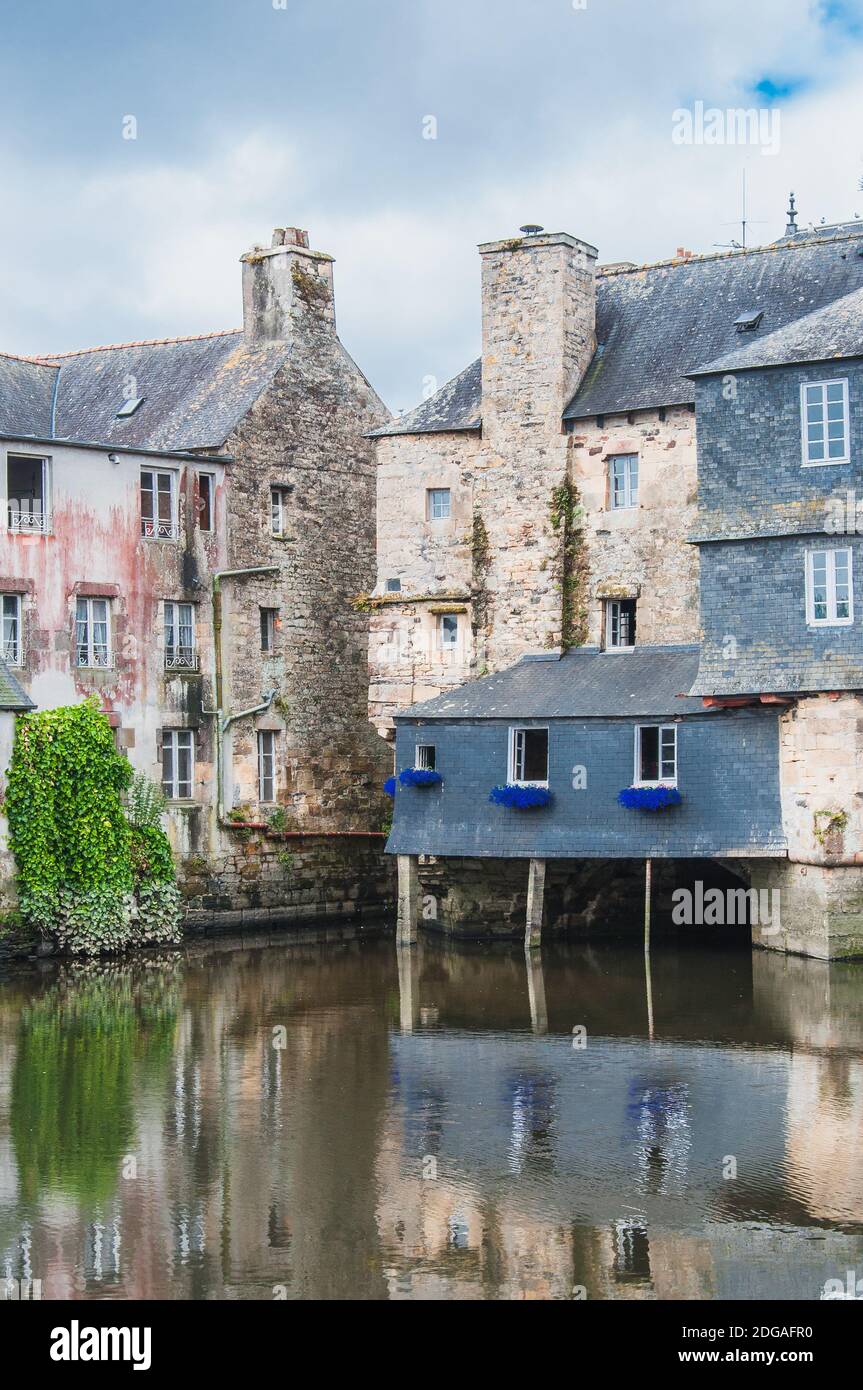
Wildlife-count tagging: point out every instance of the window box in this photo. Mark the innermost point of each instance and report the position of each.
(649, 798)
(420, 777)
(520, 797)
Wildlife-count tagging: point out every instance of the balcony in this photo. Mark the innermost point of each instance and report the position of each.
(160, 530)
(181, 659)
(28, 518)
(97, 660)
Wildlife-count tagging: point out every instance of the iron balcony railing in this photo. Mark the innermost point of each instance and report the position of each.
(181, 659)
(160, 530)
(28, 522)
(99, 658)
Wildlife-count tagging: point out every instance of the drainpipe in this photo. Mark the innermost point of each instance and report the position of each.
(222, 722)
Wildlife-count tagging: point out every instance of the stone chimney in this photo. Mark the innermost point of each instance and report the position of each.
(538, 330)
(286, 288)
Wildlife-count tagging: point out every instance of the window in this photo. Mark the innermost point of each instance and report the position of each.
(178, 763)
(11, 615)
(425, 757)
(129, 406)
(528, 756)
(447, 631)
(266, 765)
(623, 481)
(438, 503)
(278, 510)
(27, 483)
(180, 653)
(394, 586)
(159, 505)
(620, 624)
(269, 627)
(656, 754)
(206, 501)
(93, 632)
(829, 594)
(824, 407)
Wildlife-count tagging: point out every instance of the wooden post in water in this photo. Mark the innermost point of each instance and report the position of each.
(535, 904)
(648, 878)
(409, 899)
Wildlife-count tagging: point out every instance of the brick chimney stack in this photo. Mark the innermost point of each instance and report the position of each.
(286, 288)
(538, 329)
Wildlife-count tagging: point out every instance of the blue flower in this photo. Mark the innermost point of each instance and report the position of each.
(520, 798)
(419, 777)
(390, 786)
(649, 798)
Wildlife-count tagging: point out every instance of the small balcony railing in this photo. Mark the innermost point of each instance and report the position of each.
(98, 660)
(160, 530)
(13, 653)
(29, 520)
(181, 659)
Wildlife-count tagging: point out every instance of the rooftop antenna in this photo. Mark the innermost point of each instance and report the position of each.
(744, 223)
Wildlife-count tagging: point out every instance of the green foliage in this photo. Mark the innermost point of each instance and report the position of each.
(278, 819)
(84, 870)
(286, 858)
(567, 519)
(145, 803)
(159, 913)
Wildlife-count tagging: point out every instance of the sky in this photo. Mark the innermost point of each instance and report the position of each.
(251, 114)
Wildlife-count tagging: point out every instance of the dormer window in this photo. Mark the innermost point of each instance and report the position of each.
(748, 322)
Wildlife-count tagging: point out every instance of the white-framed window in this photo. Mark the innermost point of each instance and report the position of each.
(447, 631)
(159, 517)
(206, 501)
(269, 628)
(438, 503)
(528, 757)
(824, 412)
(93, 632)
(10, 607)
(266, 765)
(180, 649)
(28, 494)
(829, 588)
(623, 481)
(425, 756)
(656, 755)
(620, 624)
(279, 510)
(178, 764)
(393, 586)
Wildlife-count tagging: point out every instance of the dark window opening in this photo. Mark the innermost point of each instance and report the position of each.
(620, 623)
(206, 484)
(529, 755)
(269, 627)
(26, 492)
(426, 756)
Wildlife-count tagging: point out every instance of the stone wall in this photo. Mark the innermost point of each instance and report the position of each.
(821, 756)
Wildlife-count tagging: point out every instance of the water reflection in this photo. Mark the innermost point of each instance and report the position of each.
(349, 1120)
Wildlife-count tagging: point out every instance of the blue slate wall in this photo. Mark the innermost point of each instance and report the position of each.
(753, 486)
(728, 776)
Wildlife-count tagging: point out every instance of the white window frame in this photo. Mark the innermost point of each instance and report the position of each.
(30, 523)
(267, 738)
(97, 658)
(515, 757)
(208, 479)
(804, 422)
(278, 510)
(175, 741)
(268, 617)
(661, 781)
(831, 620)
(155, 528)
(13, 649)
(610, 645)
(434, 493)
(630, 494)
(448, 646)
(179, 656)
(421, 756)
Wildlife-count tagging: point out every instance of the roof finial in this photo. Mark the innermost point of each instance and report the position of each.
(791, 228)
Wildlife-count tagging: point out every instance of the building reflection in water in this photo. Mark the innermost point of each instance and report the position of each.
(336, 1119)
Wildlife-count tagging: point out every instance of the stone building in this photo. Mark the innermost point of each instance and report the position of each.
(186, 524)
(629, 472)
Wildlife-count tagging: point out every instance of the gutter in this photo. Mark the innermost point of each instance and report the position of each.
(187, 455)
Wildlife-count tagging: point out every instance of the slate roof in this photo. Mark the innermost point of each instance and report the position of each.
(456, 406)
(657, 324)
(195, 391)
(835, 331)
(12, 696)
(585, 683)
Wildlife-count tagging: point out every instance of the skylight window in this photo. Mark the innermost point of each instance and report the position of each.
(748, 322)
(129, 407)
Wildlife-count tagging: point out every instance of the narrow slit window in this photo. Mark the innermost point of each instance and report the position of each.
(266, 765)
(279, 511)
(12, 646)
(269, 627)
(528, 756)
(206, 501)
